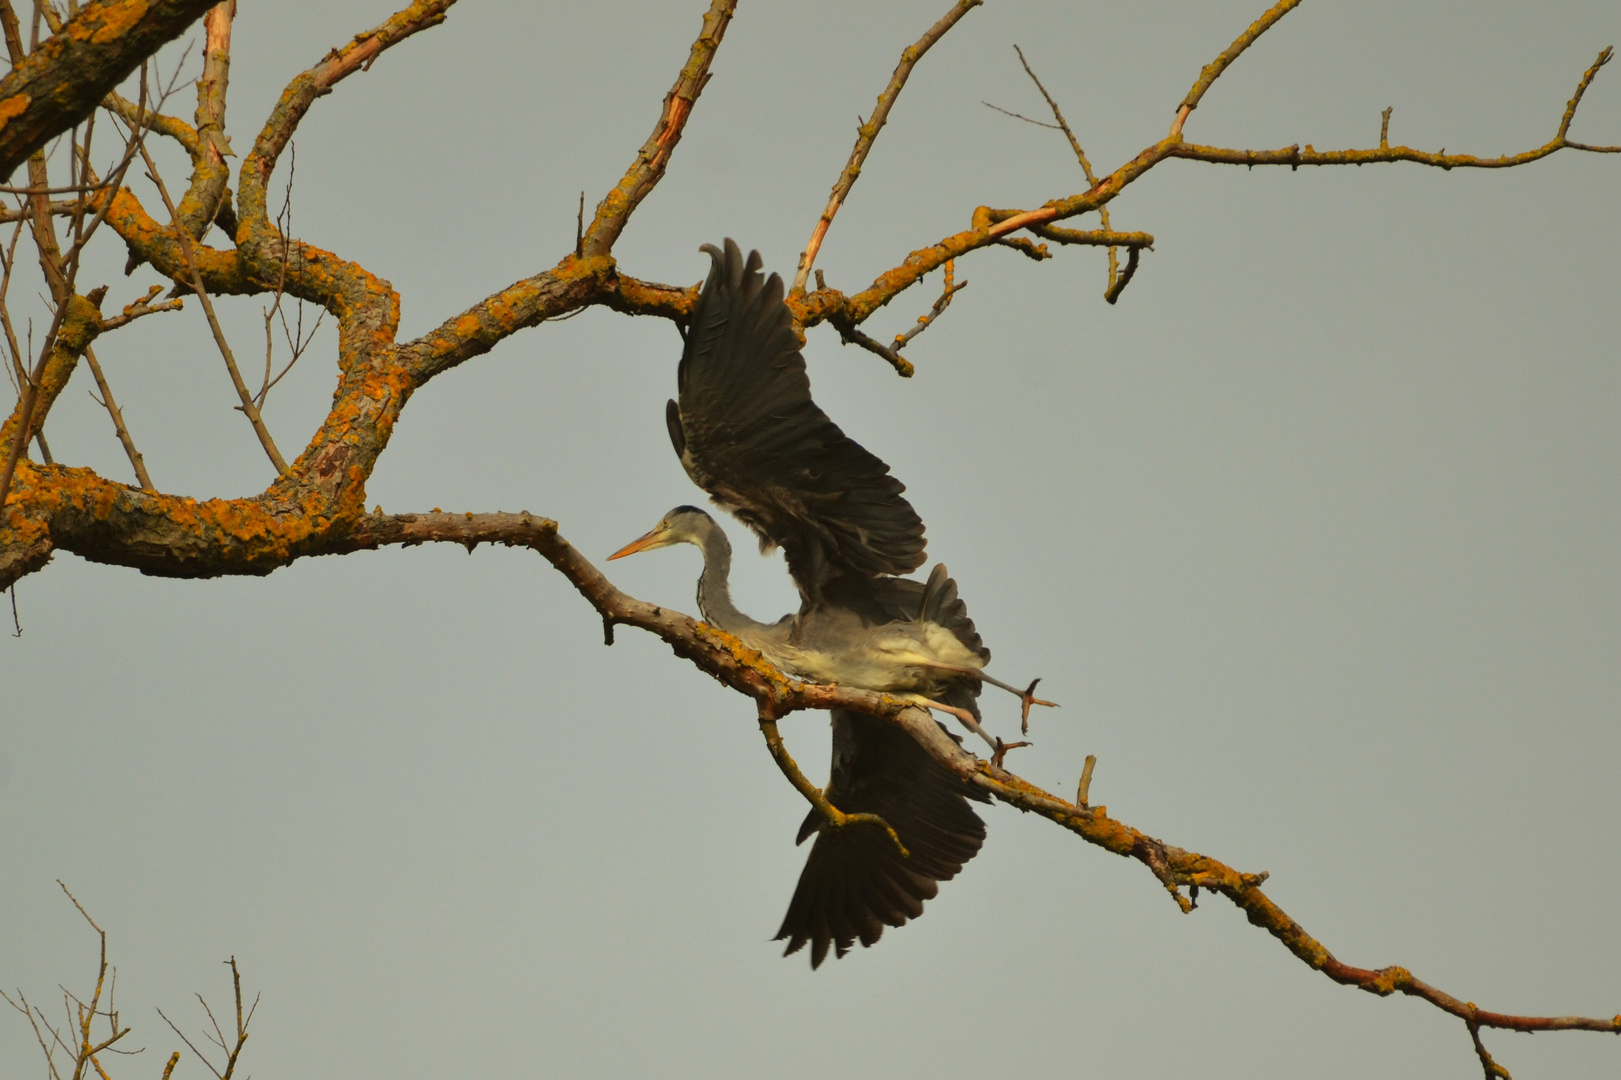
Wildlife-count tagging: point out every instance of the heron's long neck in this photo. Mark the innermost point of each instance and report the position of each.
(714, 593)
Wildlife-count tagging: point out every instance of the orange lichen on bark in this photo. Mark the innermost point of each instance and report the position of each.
(13, 106)
(81, 322)
(107, 22)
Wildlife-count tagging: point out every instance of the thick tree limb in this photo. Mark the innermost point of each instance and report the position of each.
(63, 80)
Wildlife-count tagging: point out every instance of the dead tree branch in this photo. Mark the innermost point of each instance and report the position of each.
(867, 133)
(64, 79)
(776, 695)
(195, 280)
(614, 211)
(989, 227)
(1113, 289)
(315, 505)
(106, 401)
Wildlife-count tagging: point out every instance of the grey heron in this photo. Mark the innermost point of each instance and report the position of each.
(748, 433)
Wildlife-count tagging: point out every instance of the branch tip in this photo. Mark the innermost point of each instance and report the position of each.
(867, 134)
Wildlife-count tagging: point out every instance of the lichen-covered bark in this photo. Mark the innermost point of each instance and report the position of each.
(80, 325)
(68, 75)
(316, 506)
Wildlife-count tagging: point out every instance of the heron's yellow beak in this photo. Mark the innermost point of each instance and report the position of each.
(657, 538)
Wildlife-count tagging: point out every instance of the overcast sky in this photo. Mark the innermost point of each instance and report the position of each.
(1315, 536)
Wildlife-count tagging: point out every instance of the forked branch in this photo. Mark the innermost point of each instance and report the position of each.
(316, 505)
(990, 227)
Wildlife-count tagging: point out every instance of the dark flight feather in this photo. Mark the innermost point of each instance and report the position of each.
(747, 432)
(855, 883)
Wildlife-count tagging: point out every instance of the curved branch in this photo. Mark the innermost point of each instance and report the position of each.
(207, 193)
(170, 126)
(572, 284)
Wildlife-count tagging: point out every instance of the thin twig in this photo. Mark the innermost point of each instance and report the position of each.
(9, 258)
(924, 321)
(64, 208)
(614, 211)
(1384, 127)
(250, 410)
(297, 342)
(1581, 88)
(1020, 116)
(137, 462)
(1086, 169)
(1119, 286)
(850, 335)
(1212, 71)
(1492, 1070)
(868, 133)
(142, 307)
(70, 189)
(189, 1043)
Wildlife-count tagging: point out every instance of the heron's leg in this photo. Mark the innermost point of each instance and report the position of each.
(1027, 696)
(969, 720)
(834, 817)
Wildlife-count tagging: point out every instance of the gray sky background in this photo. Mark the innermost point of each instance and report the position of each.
(1315, 536)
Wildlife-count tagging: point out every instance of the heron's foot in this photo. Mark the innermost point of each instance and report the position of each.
(1002, 749)
(1028, 698)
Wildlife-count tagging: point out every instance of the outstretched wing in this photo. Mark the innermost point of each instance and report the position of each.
(855, 883)
(748, 433)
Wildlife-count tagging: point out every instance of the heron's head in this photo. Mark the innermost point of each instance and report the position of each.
(683, 525)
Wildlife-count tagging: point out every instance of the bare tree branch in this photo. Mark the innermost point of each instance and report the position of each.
(136, 461)
(776, 695)
(1212, 71)
(63, 80)
(1111, 290)
(249, 409)
(316, 504)
(867, 133)
(645, 172)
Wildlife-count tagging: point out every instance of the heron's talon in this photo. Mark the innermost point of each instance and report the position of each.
(1002, 749)
(1028, 698)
